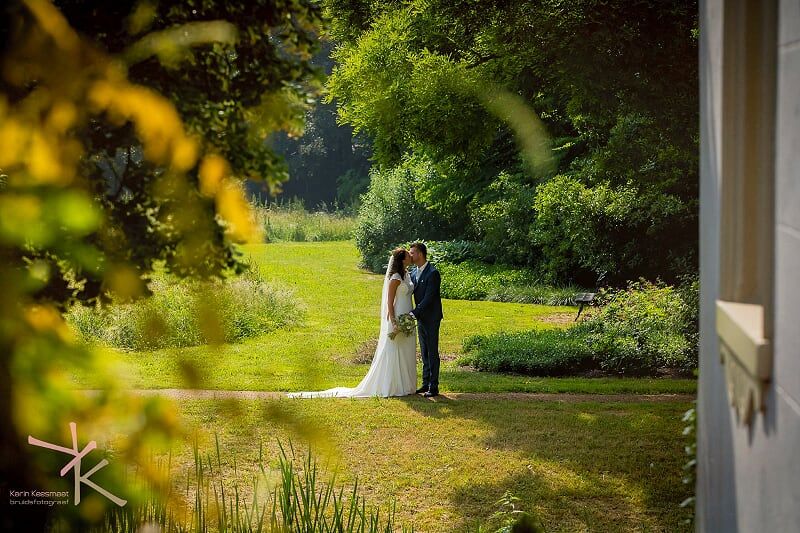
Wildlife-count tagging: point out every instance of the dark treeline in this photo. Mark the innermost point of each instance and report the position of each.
(327, 165)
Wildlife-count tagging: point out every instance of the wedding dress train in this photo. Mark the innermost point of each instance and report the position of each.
(393, 371)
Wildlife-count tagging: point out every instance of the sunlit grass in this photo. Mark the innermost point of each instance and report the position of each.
(579, 466)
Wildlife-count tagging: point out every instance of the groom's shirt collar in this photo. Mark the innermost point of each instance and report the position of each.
(420, 269)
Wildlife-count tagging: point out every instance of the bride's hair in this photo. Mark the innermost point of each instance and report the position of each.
(396, 262)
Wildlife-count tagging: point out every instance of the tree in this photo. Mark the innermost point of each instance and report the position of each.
(614, 82)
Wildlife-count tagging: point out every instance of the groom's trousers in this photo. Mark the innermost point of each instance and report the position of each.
(429, 350)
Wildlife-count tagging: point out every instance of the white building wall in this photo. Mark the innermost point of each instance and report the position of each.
(749, 478)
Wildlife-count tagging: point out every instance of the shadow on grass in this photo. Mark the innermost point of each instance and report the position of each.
(590, 466)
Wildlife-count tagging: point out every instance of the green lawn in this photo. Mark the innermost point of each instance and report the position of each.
(580, 466)
(341, 304)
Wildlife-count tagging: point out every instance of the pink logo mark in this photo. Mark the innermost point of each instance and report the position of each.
(76, 465)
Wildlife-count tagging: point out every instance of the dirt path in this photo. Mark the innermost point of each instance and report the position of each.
(209, 394)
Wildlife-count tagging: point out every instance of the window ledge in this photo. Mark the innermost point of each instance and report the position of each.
(746, 354)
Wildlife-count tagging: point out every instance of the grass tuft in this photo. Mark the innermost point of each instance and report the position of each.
(182, 313)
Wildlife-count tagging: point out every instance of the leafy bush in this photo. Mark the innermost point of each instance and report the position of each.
(503, 216)
(291, 222)
(472, 280)
(587, 231)
(456, 251)
(391, 214)
(549, 352)
(641, 329)
(182, 313)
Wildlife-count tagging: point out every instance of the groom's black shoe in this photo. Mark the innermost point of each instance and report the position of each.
(431, 393)
(422, 390)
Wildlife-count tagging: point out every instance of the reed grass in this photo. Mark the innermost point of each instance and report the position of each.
(293, 223)
(299, 501)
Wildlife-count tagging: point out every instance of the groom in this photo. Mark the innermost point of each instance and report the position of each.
(428, 312)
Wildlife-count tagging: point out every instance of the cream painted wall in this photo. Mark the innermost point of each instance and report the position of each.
(749, 478)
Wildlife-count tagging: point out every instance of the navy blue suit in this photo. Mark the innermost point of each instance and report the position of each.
(428, 312)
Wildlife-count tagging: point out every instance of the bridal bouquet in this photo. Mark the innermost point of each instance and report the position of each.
(405, 325)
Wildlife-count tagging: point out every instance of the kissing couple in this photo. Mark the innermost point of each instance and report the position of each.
(393, 371)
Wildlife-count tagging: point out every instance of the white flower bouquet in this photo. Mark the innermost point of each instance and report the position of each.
(405, 325)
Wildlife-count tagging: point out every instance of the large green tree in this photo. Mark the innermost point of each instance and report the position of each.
(614, 82)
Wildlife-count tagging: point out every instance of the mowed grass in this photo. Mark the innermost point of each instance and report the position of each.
(340, 318)
(580, 466)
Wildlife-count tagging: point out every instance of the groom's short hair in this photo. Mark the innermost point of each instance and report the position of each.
(421, 247)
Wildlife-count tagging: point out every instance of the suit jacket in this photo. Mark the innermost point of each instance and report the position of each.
(427, 294)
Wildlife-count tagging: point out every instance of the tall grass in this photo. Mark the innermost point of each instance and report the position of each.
(299, 501)
(292, 222)
(182, 313)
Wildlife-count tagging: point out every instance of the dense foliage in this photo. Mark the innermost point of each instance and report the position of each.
(644, 328)
(613, 82)
(473, 280)
(550, 352)
(639, 330)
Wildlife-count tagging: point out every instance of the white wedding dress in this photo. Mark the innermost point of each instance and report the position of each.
(394, 367)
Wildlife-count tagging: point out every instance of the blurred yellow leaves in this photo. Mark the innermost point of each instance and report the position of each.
(51, 21)
(62, 116)
(55, 83)
(141, 18)
(174, 44)
(236, 212)
(47, 319)
(13, 139)
(47, 157)
(213, 171)
(157, 123)
(124, 282)
(232, 206)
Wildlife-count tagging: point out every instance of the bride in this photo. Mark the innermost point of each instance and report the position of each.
(394, 367)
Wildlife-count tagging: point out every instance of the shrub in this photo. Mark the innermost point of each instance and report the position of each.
(614, 230)
(456, 251)
(549, 352)
(473, 280)
(182, 313)
(503, 216)
(642, 329)
(391, 214)
(639, 330)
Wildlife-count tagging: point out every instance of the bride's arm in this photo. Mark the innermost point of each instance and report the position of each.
(393, 284)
